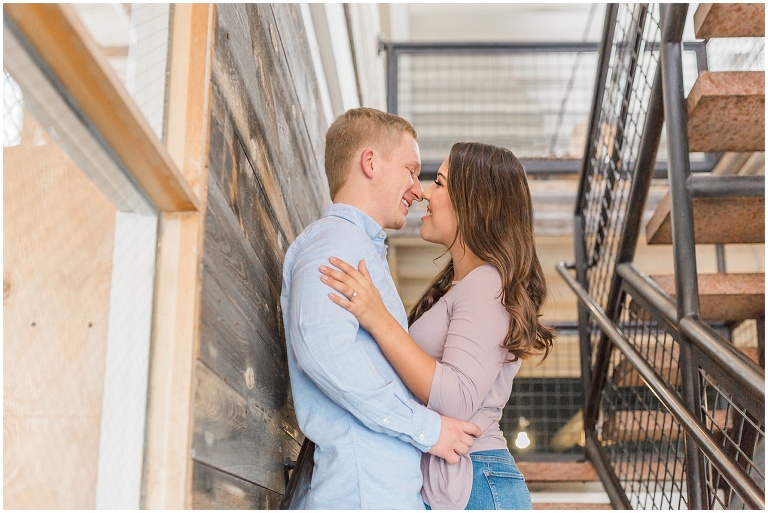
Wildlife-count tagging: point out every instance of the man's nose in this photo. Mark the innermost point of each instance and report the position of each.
(417, 190)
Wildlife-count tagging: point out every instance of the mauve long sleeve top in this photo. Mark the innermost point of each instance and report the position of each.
(464, 331)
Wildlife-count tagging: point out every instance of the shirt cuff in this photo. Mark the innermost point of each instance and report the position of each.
(427, 423)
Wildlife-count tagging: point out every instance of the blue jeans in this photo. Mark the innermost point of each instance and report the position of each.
(497, 483)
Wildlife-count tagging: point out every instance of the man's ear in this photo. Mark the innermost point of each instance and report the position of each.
(366, 162)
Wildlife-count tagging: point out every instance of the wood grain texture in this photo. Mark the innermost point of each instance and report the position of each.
(240, 319)
(168, 479)
(57, 266)
(233, 434)
(292, 37)
(246, 199)
(251, 69)
(73, 57)
(214, 489)
(265, 184)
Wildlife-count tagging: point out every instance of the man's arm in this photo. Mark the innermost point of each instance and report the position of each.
(326, 349)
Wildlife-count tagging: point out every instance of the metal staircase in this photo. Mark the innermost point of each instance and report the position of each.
(675, 413)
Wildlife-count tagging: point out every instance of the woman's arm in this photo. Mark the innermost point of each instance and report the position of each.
(415, 367)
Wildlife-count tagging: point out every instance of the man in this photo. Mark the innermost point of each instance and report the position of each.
(369, 430)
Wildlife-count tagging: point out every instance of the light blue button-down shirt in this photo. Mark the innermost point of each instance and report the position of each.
(369, 430)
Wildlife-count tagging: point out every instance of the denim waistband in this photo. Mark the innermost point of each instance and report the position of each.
(498, 455)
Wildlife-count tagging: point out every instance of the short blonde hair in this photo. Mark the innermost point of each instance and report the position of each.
(355, 129)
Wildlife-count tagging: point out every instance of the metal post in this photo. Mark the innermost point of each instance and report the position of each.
(609, 27)
(580, 249)
(684, 244)
(391, 79)
(584, 332)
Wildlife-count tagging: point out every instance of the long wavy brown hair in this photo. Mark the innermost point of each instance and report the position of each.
(489, 192)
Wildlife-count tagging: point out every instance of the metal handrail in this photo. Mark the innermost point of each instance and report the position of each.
(733, 473)
(746, 373)
(700, 346)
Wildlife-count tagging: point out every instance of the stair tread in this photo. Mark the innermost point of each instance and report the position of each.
(558, 471)
(571, 505)
(729, 20)
(713, 221)
(726, 111)
(724, 296)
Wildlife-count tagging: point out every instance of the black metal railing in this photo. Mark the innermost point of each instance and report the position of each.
(674, 414)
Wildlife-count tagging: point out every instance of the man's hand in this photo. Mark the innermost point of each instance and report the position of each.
(456, 437)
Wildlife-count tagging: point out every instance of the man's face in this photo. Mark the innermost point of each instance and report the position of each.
(399, 182)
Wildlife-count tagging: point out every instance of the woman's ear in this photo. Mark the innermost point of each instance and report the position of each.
(366, 162)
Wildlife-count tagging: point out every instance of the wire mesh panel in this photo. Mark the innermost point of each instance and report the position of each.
(614, 146)
(134, 38)
(740, 430)
(535, 103)
(645, 443)
(544, 413)
(643, 440)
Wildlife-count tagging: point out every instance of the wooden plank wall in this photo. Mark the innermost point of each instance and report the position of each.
(265, 184)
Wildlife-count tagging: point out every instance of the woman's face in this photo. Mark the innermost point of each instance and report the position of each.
(440, 223)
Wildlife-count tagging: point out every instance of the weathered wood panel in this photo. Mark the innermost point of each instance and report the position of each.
(247, 200)
(233, 434)
(290, 27)
(213, 489)
(249, 65)
(243, 339)
(265, 184)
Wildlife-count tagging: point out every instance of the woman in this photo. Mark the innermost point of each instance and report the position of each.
(475, 324)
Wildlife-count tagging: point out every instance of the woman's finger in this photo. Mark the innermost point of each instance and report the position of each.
(338, 286)
(341, 264)
(364, 271)
(344, 303)
(339, 276)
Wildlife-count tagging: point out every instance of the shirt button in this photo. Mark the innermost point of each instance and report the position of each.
(421, 437)
(385, 421)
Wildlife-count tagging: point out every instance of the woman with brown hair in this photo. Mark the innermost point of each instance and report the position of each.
(474, 325)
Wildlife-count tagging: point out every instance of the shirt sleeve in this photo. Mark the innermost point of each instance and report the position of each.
(473, 355)
(327, 350)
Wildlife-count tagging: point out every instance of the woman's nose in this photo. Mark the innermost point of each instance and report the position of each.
(428, 192)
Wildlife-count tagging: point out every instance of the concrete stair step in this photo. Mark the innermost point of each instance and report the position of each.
(729, 20)
(725, 296)
(571, 506)
(575, 471)
(571, 485)
(724, 220)
(726, 112)
(653, 425)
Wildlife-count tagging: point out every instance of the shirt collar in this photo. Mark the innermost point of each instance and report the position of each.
(357, 217)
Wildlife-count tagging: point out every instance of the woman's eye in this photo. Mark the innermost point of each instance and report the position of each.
(437, 183)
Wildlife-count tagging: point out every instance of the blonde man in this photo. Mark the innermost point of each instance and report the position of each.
(369, 430)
